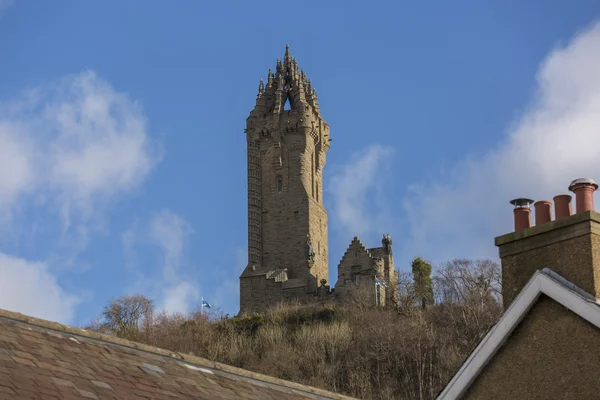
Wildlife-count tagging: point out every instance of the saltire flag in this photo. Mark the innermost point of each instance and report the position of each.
(205, 304)
(378, 283)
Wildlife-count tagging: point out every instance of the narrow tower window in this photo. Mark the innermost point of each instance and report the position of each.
(279, 185)
(312, 174)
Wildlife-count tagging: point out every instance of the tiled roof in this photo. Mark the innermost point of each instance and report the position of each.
(46, 360)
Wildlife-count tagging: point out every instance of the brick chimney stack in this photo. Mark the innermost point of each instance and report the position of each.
(562, 206)
(543, 212)
(569, 245)
(522, 213)
(584, 189)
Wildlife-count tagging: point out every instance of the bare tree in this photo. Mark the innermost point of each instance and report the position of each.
(127, 316)
(407, 296)
(470, 292)
(462, 280)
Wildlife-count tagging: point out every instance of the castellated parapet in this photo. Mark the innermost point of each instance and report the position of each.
(287, 220)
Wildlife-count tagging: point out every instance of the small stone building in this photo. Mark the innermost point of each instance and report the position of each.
(359, 268)
(547, 343)
(288, 254)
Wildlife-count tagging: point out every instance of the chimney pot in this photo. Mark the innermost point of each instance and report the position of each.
(584, 189)
(543, 212)
(562, 206)
(522, 213)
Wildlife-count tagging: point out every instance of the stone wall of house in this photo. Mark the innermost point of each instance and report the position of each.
(552, 354)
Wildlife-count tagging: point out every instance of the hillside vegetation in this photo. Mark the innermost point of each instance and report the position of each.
(406, 352)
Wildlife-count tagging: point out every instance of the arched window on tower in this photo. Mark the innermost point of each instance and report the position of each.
(288, 104)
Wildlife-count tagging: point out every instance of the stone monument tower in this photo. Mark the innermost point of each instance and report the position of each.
(287, 141)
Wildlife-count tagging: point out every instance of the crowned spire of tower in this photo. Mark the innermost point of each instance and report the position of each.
(287, 83)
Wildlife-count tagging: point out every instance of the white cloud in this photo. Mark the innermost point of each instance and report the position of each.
(16, 164)
(179, 298)
(356, 189)
(77, 144)
(91, 143)
(556, 140)
(29, 288)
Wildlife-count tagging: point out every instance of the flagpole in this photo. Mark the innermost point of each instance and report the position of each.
(202, 305)
(375, 285)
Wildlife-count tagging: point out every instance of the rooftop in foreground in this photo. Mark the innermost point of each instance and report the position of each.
(41, 359)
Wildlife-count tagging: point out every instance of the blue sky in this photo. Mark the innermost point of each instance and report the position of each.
(122, 146)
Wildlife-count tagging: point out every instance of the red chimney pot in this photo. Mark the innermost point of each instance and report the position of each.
(543, 212)
(584, 189)
(562, 206)
(522, 213)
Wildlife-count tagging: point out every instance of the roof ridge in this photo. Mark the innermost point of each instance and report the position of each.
(84, 333)
(568, 284)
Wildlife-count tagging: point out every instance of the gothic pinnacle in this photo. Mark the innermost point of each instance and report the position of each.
(287, 50)
(309, 87)
(261, 87)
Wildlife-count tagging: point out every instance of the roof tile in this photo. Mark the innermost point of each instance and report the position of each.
(100, 384)
(86, 394)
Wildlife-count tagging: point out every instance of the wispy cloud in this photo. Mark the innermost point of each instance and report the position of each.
(170, 232)
(168, 285)
(357, 189)
(556, 140)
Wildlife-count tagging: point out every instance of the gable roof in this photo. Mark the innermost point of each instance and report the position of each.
(355, 245)
(544, 282)
(40, 358)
